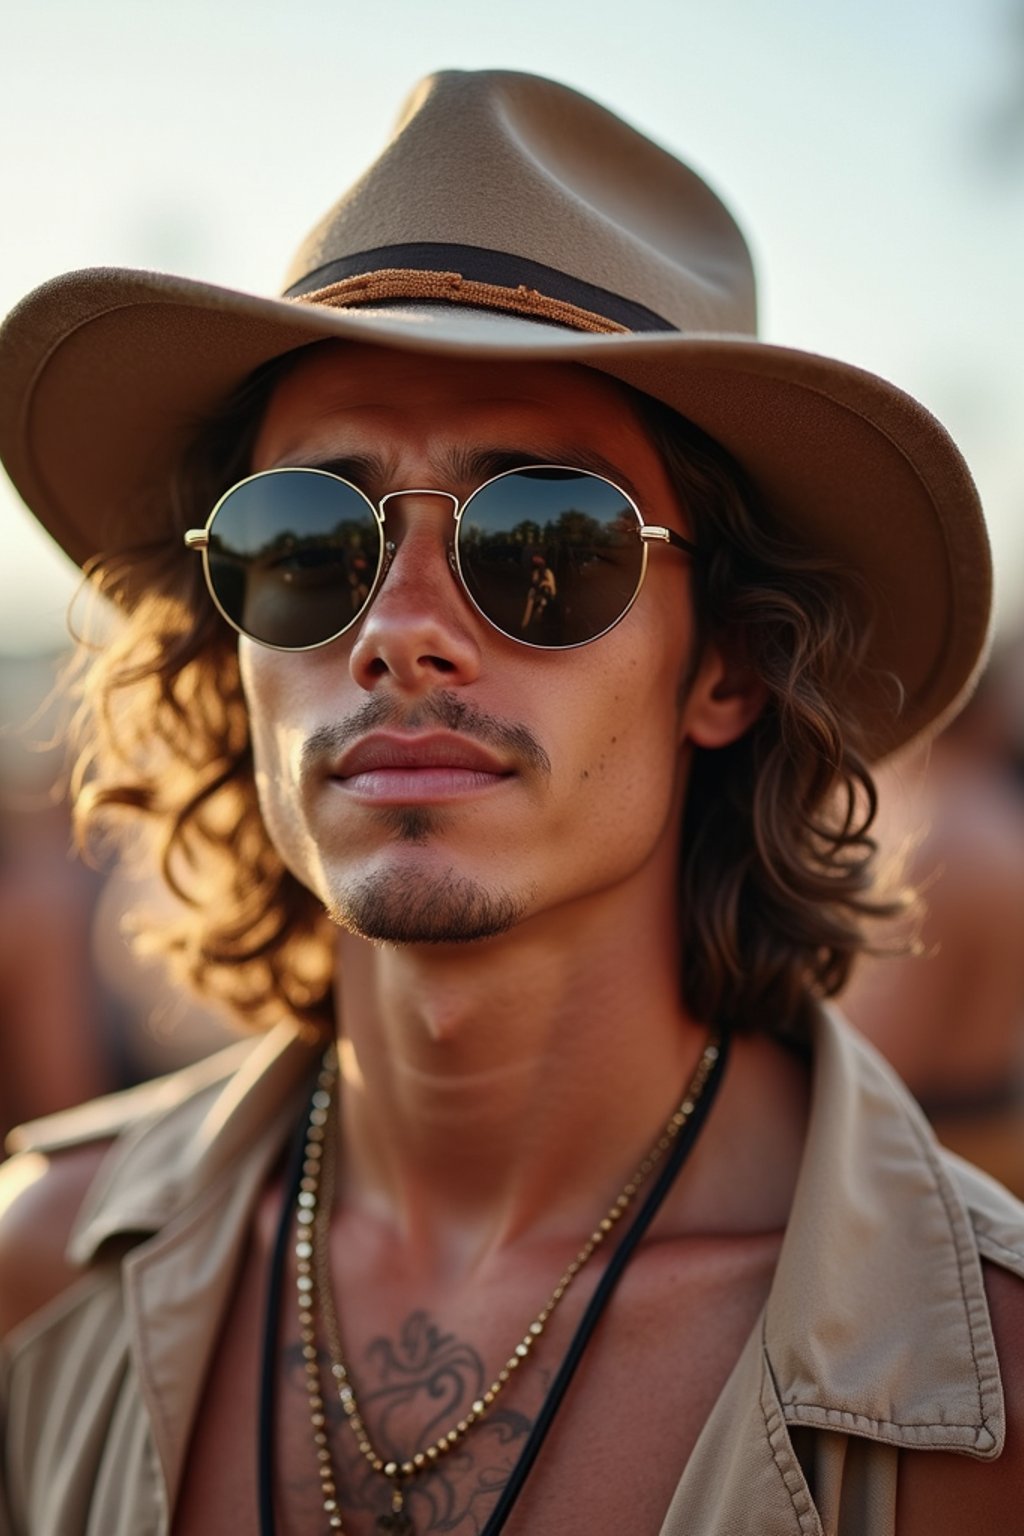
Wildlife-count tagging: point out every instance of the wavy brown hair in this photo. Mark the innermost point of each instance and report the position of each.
(778, 879)
(776, 873)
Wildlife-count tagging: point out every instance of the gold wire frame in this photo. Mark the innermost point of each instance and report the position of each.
(198, 539)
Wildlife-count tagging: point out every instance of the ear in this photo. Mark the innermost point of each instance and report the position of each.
(724, 699)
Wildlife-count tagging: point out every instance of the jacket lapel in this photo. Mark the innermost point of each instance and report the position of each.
(877, 1322)
(193, 1177)
(876, 1333)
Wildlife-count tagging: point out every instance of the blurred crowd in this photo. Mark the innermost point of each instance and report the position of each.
(80, 1014)
(949, 1013)
(943, 999)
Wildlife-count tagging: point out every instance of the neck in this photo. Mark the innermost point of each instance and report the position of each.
(511, 1085)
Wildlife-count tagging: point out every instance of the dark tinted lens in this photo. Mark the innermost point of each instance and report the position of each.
(293, 556)
(551, 556)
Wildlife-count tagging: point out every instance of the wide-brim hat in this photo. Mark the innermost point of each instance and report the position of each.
(512, 218)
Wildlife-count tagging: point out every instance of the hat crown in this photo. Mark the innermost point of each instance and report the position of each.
(500, 162)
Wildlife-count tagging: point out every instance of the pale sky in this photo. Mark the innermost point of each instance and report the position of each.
(853, 141)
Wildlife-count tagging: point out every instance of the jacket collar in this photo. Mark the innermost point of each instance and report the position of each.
(186, 1180)
(877, 1322)
(187, 1132)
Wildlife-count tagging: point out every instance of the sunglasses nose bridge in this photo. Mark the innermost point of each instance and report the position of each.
(448, 496)
(390, 543)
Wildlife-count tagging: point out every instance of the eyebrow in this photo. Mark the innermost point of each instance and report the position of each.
(363, 469)
(462, 466)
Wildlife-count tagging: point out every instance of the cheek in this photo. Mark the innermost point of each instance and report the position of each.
(626, 755)
(273, 696)
(263, 687)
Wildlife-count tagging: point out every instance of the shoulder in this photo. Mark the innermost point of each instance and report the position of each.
(115, 1114)
(940, 1492)
(40, 1197)
(996, 1216)
(59, 1162)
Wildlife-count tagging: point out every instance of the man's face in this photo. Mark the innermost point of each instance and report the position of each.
(428, 778)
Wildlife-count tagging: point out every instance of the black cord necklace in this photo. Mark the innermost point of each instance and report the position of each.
(669, 1170)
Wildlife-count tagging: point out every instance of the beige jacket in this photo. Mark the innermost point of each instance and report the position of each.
(875, 1337)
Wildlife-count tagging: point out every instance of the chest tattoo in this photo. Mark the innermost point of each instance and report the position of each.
(411, 1389)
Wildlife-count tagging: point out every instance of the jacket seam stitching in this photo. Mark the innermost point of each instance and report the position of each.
(777, 1414)
(944, 1195)
(798, 1410)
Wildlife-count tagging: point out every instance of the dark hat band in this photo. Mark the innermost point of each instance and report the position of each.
(496, 270)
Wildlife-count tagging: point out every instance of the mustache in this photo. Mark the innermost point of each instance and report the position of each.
(444, 709)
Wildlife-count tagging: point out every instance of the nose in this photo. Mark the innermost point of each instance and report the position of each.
(420, 630)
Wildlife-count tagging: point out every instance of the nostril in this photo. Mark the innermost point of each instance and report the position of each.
(441, 663)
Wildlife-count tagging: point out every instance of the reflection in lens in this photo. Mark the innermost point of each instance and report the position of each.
(293, 556)
(551, 556)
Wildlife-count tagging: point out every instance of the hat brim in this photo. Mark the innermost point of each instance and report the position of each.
(104, 373)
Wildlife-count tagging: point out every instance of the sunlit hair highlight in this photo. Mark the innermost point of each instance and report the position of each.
(165, 768)
(776, 863)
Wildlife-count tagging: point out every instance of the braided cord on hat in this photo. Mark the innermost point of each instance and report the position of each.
(452, 288)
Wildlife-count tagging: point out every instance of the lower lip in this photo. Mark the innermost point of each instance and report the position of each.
(407, 786)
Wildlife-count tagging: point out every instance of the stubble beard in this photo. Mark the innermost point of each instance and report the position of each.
(415, 906)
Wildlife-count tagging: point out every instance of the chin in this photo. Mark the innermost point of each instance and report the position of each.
(416, 907)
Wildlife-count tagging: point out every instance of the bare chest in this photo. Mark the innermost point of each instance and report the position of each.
(610, 1462)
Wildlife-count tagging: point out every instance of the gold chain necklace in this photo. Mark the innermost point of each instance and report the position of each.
(316, 1296)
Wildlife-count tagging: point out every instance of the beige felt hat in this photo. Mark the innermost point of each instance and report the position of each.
(510, 217)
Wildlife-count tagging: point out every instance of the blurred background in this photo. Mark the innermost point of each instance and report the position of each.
(874, 153)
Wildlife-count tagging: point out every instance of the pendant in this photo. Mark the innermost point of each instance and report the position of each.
(395, 1524)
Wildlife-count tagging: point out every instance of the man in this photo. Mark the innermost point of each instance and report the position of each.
(594, 1219)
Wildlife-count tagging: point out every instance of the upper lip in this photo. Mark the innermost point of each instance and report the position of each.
(434, 749)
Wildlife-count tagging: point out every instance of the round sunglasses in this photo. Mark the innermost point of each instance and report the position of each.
(552, 557)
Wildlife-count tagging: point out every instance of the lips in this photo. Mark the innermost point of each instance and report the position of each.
(431, 766)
